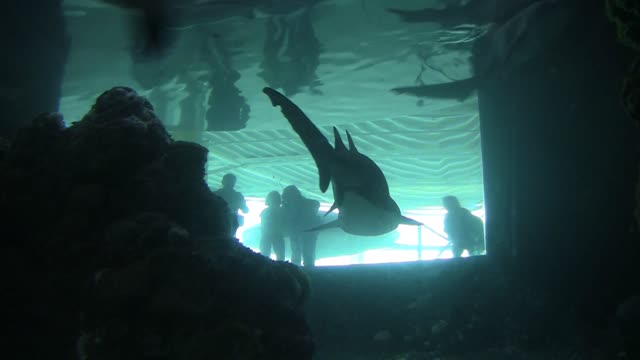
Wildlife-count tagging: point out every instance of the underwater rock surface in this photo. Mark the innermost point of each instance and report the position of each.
(460, 309)
(116, 249)
(625, 14)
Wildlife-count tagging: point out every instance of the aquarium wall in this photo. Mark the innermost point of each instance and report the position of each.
(560, 156)
(34, 60)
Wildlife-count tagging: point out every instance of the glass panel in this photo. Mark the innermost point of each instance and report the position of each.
(337, 61)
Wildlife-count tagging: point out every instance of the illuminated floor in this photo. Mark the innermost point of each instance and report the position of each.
(338, 248)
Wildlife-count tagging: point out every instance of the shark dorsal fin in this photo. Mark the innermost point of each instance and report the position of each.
(352, 146)
(339, 145)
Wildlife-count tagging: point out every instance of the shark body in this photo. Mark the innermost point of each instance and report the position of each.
(360, 189)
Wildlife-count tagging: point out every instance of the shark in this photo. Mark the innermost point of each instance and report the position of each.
(473, 12)
(506, 46)
(360, 189)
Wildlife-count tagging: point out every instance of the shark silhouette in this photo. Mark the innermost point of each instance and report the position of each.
(508, 45)
(360, 189)
(476, 12)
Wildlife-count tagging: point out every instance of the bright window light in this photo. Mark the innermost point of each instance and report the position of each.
(336, 248)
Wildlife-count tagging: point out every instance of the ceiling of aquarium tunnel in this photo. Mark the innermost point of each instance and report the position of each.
(426, 148)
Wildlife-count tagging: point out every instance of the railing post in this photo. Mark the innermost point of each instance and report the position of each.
(419, 242)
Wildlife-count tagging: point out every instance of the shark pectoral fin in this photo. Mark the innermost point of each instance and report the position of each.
(408, 221)
(458, 90)
(333, 207)
(330, 225)
(317, 144)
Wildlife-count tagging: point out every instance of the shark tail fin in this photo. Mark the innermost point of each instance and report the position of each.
(459, 90)
(317, 144)
(408, 221)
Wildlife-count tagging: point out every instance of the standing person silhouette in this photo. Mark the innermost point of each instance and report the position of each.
(465, 230)
(235, 202)
(272, 227)
(300, 214)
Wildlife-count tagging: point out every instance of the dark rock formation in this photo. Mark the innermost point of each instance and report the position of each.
(625, 14)
(115, 248)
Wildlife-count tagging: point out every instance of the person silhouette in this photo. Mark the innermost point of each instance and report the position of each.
(272, 227)
(465, 230)
(235, 202)
(300, 214)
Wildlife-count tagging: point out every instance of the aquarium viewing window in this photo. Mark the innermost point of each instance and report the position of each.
(339, 63)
